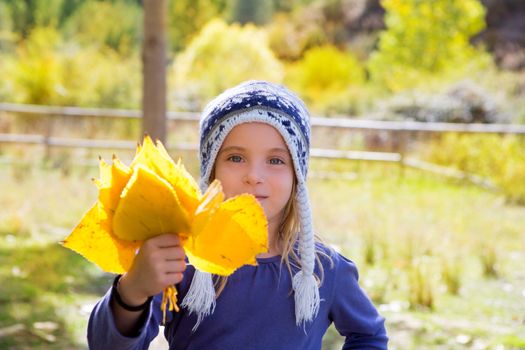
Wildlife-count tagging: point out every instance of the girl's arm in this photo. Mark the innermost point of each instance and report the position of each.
(352, 312)
(159, 263)
(127, 322)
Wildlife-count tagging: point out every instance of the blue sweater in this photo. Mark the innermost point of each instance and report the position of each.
(255, 311)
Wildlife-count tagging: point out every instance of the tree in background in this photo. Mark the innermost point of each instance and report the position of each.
(35, 73)
(116, 25)
(47, 70)
(7, 37)
(187, 17)
(424, 39)
(325, 77)
(28, 14)
(250, 11)
(291, 35)
(344, 24)
(222, 56)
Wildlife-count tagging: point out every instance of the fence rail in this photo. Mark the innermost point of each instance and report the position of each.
(131, 145)
(346, 123)
(402, 127)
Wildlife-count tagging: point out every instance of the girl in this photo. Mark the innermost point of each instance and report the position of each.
(254, 138)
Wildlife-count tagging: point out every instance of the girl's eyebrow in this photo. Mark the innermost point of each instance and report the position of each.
(279, 150)
(231, 148)
(240, 149)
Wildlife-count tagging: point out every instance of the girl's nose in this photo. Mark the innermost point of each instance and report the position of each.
(253, 177)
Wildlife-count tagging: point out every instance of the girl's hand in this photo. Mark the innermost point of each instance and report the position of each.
(159, 263)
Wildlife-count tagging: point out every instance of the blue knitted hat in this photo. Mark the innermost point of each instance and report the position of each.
(263, 102)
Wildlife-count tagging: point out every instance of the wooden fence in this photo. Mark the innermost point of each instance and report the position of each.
(400, 128)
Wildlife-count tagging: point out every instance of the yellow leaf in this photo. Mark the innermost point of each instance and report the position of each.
(92, 239)
(210, 202)
(157, 159)
(112, 183)
(105, 174)
(148, 207)
(233, 236)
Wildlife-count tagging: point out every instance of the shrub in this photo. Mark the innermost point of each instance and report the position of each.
(464, 102)
(94, 24)
(222, 56)
(425, 40)
(187, 17)
(7, 37)
(489, 259)
(48, 71)
(250, 11)
(421, 291)
(325, 77)
(501, 159)
(285, 39)
(451, 274)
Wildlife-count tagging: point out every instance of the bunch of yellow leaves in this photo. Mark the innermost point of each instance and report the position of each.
(155, 195)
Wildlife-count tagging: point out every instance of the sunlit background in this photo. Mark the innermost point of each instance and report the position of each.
(418, 167)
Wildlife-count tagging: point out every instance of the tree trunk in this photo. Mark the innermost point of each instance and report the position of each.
(154, 69)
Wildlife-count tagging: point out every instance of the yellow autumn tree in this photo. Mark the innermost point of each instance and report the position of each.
(426, 39)
(325, 77)
(221, 56)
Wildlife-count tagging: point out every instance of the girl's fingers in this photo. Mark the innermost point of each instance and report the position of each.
(176, 266)
(173, 253)
(166, 240)
(175, 278)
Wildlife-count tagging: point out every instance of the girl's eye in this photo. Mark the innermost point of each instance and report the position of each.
(235, 159)
(276, 161)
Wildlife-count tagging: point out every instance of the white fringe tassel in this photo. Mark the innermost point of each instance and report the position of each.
(305, 286)
(200, 299)
(306, 296)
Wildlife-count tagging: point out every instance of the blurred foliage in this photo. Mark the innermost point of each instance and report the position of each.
(46, 70)
(188, 17)
(421, 291)
(7, 36)
(463, 102)
(35, 72)
(290, 36)
(250, 11)
(501, 159)
(29, 14)
(344, 24)
(426, 39)
(424, 49)
(95, 24)
(221, 56)
(325, 77)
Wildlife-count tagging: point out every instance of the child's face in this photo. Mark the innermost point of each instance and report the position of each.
(255, 159)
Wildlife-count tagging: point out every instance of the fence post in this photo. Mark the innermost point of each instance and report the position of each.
(154, 69)
(47, 136)
(402, 146)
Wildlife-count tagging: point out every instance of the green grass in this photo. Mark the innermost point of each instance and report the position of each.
(395, 227)
(46, 289)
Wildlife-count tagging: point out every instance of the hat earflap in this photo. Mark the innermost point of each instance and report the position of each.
(306, 290)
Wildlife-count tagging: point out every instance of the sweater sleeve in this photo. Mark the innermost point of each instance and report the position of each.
(353, 314)
(103, 334)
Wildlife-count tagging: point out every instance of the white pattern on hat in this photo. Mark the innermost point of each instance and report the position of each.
(258, 101)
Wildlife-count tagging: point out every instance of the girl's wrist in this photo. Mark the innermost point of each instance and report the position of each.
(124, 296)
